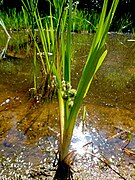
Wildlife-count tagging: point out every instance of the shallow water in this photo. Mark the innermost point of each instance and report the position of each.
(29, 131)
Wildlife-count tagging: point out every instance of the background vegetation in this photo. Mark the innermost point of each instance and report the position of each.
(86, 15)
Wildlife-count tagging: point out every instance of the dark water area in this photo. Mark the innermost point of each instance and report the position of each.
(29, 131)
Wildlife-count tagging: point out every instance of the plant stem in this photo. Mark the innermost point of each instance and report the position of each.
(35, 68)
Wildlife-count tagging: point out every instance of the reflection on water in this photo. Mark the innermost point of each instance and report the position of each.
(29, 131)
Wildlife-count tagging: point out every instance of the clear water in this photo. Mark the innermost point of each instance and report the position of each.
(29, 131)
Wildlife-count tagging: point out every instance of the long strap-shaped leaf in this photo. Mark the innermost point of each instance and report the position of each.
(67, 62)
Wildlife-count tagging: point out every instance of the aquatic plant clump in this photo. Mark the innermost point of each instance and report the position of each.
(57, 40)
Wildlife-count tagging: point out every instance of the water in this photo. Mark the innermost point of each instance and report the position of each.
(29, 131)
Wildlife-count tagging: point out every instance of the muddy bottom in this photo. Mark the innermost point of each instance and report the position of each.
(104, 144)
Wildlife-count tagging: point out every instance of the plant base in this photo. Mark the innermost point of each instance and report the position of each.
(63, 172)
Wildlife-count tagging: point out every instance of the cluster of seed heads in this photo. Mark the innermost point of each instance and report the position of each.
(53, 82)
(68, 93)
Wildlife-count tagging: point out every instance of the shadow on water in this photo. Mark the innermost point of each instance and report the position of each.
(29, 130)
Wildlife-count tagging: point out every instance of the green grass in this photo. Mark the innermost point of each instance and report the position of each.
(15, 20)
(81, 21)
(84, 21)
(123, 24)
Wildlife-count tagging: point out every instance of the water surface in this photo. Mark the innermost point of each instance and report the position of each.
(29, 131)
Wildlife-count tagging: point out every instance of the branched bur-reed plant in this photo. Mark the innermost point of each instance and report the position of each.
(56, 40)
(29, 10)
(47, 86)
